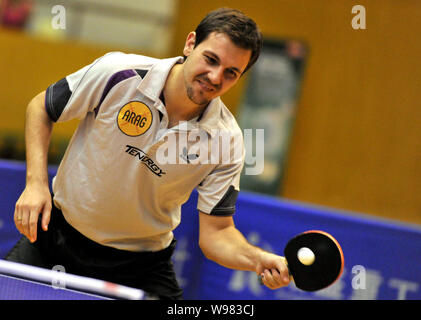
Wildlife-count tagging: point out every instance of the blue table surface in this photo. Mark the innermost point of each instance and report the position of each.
(21, 289)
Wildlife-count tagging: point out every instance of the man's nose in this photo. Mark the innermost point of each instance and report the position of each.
(215, 76)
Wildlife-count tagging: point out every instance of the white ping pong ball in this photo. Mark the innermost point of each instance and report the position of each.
(306, 256)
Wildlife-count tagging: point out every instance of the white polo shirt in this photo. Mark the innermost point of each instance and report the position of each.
(125, 174)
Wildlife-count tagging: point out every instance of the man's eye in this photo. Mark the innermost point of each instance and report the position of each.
(231, 74)
(210, 60)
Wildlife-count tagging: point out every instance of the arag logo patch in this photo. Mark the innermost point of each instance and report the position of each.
(134, 118)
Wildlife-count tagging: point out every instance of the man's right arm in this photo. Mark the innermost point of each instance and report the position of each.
(36, 197)
(72, 97)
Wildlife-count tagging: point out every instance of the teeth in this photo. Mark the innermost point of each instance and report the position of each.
(205, 85)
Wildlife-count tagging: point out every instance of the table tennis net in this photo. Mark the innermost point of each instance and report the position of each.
(23, 282)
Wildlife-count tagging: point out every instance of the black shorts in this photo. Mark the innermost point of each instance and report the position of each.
(63, 245)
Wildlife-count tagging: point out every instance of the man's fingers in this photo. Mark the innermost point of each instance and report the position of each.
(33, 225)
(284, 272)
(25, 222)
(18, 219)
(268, 278)
(46, 216)
(275, 278)
(33, 201)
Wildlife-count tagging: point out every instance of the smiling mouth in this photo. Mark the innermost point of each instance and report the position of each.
(206, 86)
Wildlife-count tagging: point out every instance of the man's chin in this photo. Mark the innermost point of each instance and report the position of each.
(197, 98)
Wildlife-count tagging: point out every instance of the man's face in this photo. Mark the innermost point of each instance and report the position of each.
(212, 67)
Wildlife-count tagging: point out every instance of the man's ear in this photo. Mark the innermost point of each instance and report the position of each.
(190, 42)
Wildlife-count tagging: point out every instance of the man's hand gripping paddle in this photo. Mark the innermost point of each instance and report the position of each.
(315, 260)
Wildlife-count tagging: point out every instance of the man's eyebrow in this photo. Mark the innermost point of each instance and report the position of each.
(214, 56)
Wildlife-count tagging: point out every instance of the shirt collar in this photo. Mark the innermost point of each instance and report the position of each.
(154, 81)
(210, 118)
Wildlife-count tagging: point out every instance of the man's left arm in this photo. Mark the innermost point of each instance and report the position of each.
(221, 242)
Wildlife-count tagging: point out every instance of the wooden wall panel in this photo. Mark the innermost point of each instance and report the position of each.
(357, 138)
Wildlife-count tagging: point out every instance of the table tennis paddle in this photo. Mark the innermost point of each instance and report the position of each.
(326, 267)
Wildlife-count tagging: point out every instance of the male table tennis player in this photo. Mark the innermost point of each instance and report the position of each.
(114, 205)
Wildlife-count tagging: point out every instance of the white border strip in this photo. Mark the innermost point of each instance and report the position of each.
(66, 280)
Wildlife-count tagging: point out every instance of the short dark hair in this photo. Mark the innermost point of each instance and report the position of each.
(241, 29)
